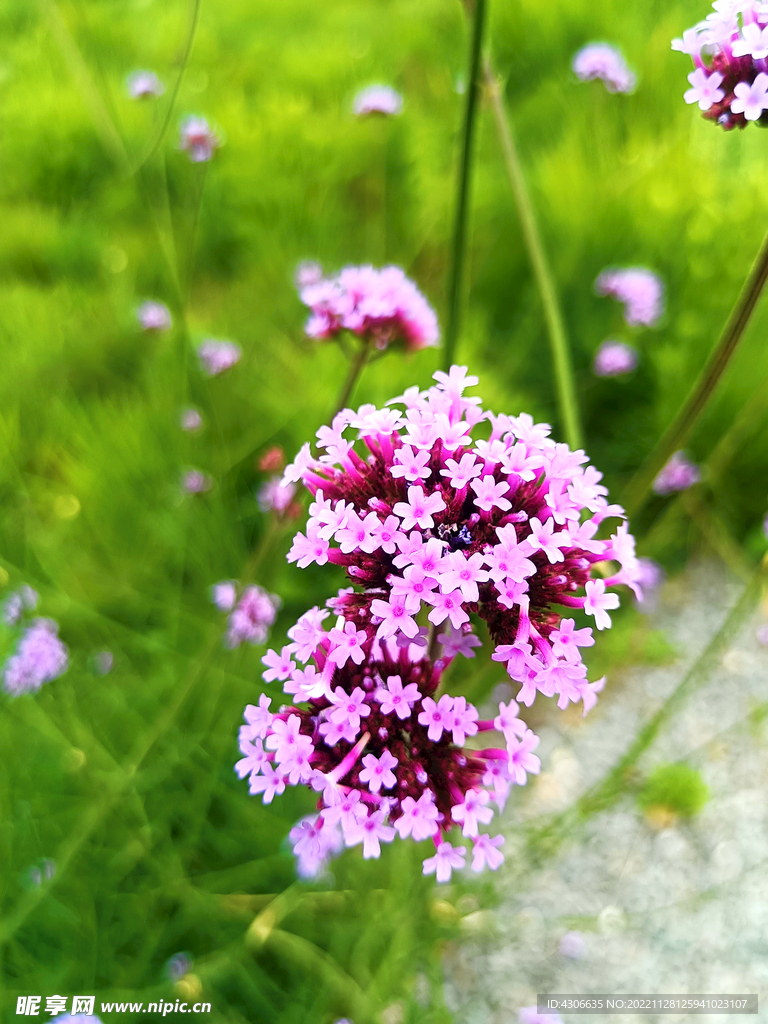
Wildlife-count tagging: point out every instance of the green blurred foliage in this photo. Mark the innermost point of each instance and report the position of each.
(126, 780)
(674, 787)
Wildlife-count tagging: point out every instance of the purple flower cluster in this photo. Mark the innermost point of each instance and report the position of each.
(729, 50)
(153, 316)
(603, 61)
(379, 306)
(39, 658)
(198, 139)
(678, 475)
(251, 616)
(640, 290)
(377, 99)
(217, 356)
(432, 526)
(275, 495)
(614, 359)
(22, 600)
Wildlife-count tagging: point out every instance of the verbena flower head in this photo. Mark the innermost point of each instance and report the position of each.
(678, 475)
(218, 356)
(432, 525)
(729, 50)
(39, 658)
(603, 61)
(144, 84)
(224, 595)
(614, 359)
(153, 316)
(380, 306)
(377, 99)
(198, 139)
(640, 290)
(254, 613)
(573, 946)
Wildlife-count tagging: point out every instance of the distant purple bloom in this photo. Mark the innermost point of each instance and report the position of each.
(195, 482)
(198, 139)
(224, 595)
(649, 579)
(12, 609)
(308, 272)
(39, 658)
(256, 611)
(154, 316)
(640, 290)
(218, 356)
(378, 99)
(573, 946)
(613, 359)
(762, 635)
(275, 496)
(765, 527)
(600, 60)
(143, 84)
(191, 420)
(678, 475)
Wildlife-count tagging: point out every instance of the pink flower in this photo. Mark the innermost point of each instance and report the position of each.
(154, 316)
(600, 60)
(256, 611)
(275, 496)
(397, 698)
(270, 783)
(380, 306)
(349, 707)
(678, 475)
(463, 720)
(377, 99)
(224, 595)
(485, 852)
(705, 89)
(39, 658)
(490, 494)
(142, 84)
(259, 718)
(543, 538)
(370, 832)
(597, 602)
(464, 574)
(521, 758)
(614, 359)
(447, 606)
(312, 548)
(462, 472)
(411, 464)
(418, 818)
(436, 716)
(472, 811)
(417, 511)
(395, 617)
(349, 644)
(458, 641)
(507, 721)
(279, 666)
(567, 639)
(640, 290)
(198, 139)
(751, 99)
(218, 356)
(378, 771)
(445, 860)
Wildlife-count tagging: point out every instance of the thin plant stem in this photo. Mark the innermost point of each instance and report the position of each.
(356, 368)
(458, 245)
(177, 84)
(680, 429)
(558, 339)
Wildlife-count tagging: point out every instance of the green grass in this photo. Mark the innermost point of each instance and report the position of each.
(126, 780)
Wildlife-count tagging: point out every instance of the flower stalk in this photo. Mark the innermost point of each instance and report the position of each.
(561, 354)
(458, 245)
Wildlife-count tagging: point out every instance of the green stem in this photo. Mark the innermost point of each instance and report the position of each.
(680, 429)
(458, 245)
(172, 101)
(561, 353)
(356, 368)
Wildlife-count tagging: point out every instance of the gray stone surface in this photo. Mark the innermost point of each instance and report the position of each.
(675, 909)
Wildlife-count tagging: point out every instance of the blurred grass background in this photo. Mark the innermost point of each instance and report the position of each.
(126, 780)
